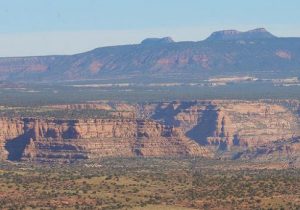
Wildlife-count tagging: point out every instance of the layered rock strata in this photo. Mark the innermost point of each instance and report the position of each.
(41, 139)
(229, 123)
(192, 128)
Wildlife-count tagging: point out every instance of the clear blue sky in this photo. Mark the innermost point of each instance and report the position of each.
(39, 27)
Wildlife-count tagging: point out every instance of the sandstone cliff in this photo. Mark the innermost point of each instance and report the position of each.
(192, 128)
(230, 123)
(41, 139)
(287, 151)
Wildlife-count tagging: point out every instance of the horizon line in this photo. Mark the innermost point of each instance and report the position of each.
(49, 38)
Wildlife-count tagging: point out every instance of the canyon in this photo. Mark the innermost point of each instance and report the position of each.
(212, 129)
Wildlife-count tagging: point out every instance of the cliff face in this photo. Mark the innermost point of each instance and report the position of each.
(259, 123)
(282, 150)
(9, 129)
(80, 139)
(224, 124)
(195, 128)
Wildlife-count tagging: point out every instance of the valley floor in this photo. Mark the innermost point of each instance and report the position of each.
(149, 183)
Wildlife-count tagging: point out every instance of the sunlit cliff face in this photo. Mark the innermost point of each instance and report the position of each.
(196, 128)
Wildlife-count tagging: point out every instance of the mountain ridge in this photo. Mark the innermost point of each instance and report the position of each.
(238, 53)
(258, 33)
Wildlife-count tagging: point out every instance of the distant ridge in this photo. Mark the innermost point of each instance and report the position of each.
(150, 41)
(259, 33)
(224, 52)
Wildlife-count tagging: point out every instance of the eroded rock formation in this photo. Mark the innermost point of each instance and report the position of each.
(193, 128)
(230, 123)
(42, 139)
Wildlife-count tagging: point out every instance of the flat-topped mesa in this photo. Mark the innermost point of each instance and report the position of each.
(157, 41)
(162, 58)
(179, 128)
(228, 35)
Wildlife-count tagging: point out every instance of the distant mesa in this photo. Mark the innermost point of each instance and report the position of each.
(259, 33)
(236, 53)
(155, 41)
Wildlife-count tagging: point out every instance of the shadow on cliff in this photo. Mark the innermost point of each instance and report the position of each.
(205, 127)
(71, 133)
(169, 113)
(16, 147)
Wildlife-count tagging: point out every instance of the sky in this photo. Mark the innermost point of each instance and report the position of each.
(47, 27)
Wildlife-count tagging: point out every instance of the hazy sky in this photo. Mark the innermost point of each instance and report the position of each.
(41, 27)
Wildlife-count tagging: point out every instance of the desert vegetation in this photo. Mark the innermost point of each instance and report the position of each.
(45, 113)
(148, 183)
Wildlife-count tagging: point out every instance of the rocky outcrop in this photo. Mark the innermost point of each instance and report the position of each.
(9, 129)
(155, 41)
(257, 123)
(192, 128)
(287, 151)
(44, 139)
(259, 33)
(230, 123)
